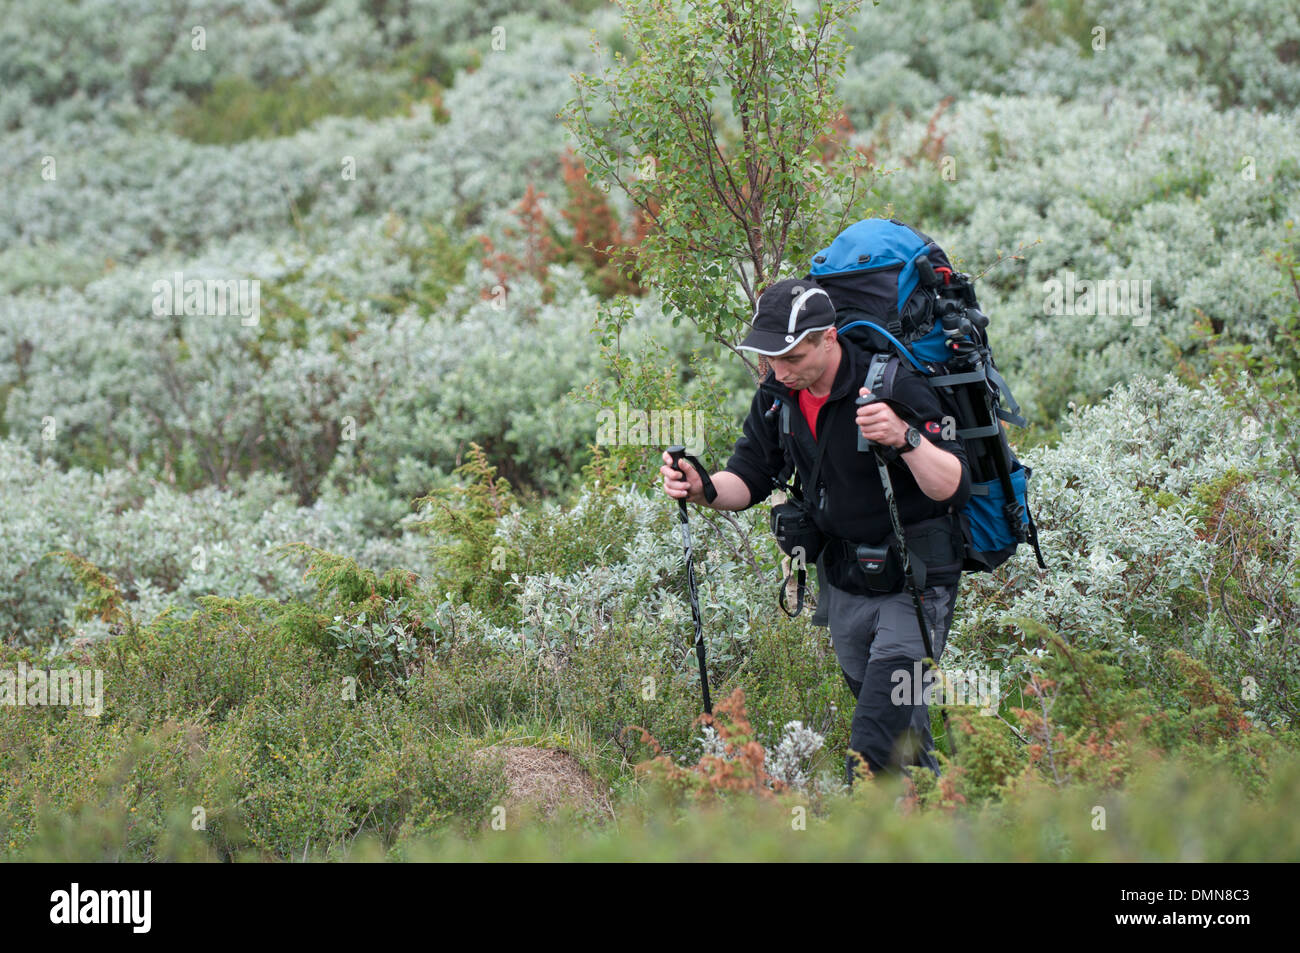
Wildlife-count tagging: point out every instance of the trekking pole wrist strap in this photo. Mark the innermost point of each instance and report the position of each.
(801, 588)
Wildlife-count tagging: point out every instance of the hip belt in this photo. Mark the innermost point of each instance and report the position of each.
(934, 546)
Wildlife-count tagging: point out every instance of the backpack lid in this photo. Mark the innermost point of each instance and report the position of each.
(874, 244)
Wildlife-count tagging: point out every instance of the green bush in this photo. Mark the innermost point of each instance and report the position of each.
(1168, 814)
(236, 108)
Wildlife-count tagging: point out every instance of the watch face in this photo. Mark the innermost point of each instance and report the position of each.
(913, 437)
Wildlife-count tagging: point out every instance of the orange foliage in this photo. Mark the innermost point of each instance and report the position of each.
(932, 146)
(832, 142)
(598, 239)
(539, 250)
(741, 770)
(599, 243)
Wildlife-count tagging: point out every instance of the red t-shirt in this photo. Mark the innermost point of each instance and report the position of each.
(811, 406)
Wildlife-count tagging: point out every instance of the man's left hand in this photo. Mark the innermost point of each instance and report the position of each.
(878, 422)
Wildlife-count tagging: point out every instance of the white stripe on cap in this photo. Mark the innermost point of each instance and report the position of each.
(798, 303)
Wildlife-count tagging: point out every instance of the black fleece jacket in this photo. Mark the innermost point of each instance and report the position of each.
(853, 504)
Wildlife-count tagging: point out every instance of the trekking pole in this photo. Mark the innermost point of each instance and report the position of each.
(909, 571)
(676, 453)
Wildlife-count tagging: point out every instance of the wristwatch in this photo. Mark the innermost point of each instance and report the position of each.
(911, 440)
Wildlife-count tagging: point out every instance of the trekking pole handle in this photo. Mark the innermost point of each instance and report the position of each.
(677, 453)
(865, 445)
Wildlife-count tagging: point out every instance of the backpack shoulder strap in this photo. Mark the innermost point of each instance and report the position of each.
(785, 434)
(881, 371)
(793, 488)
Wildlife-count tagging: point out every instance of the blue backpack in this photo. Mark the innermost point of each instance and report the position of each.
(896, 295)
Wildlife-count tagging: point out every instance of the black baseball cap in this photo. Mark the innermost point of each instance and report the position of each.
(788, 311)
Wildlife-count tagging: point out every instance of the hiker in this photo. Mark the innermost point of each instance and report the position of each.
(870, 613)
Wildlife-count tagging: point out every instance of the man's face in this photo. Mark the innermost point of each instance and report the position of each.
(806, 363)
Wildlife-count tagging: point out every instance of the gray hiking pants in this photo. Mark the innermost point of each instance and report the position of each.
(877, 642)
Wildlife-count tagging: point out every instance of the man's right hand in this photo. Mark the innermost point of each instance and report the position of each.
(691, 489)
